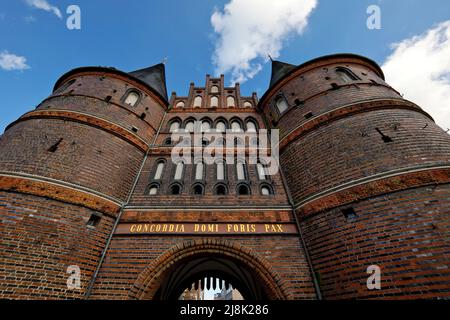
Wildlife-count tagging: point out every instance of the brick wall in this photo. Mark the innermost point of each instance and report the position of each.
(40, 238)
(405, 233)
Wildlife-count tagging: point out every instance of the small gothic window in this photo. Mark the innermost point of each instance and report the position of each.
(175, 189)
(346, 75)
(197, 189)
(235, 126)
(65, 86)
(197, 102)
(206, 126)
(159, 170)
(248, 104)
(153, 190)
(180, 104)
(220, 126)
(251, 126)
(132, 98)
(214, 89)
(220, 190)
(230, 102)
(281, 104)
(189, 127)
(174, 126)
(265, 191)
(214, 102)
(243, 190)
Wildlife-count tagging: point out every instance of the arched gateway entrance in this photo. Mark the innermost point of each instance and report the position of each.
(191, 262)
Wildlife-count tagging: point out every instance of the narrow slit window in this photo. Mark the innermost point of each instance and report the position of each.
(240, 170)
(179, 171)
(220, 167)
(159, 170)
(199, 168)
(261, 171)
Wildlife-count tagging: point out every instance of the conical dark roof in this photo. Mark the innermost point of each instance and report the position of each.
(154, 76)
(279, 70)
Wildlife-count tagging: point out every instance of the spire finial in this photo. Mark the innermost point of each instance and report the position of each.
(270, 57)
(164, 60)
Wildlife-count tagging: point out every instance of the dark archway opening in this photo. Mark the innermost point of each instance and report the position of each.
(198, 274)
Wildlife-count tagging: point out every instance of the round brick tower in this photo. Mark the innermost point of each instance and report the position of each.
(66, 170)
(368, 172)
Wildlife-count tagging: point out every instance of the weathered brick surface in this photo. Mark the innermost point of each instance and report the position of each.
(86, 156)
(405, 233)
(350, 148)
(40, 239)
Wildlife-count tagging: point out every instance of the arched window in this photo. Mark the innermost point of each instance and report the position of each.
(189, 127)
(132, 98)
(220, 126)
(197, 102)
(266, 190)
(248, 104)
(251, 126)
(153, 190)
(214, 102)
(174, 126)
(175, 189)
(235, 126)
(180, 104)
(206, 126)
(240, 170)
(281, 104)
(199, 171)
(243, 190)
(220, 170)
(230, 102)
(214, 89)
(159, 170)
(197, 189)
(261, 171)
(346, 75)
(220, 190)
(179, 171)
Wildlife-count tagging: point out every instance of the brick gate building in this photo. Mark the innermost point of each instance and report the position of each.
(88, 184)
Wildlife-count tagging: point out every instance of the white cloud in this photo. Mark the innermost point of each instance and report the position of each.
(44, 5)
(419, 67)
(9, 61)
(249, 30)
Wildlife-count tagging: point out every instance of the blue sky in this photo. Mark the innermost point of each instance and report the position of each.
(134, 34)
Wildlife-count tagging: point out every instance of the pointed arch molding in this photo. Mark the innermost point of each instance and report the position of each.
(150, 280)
